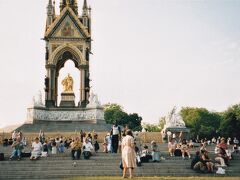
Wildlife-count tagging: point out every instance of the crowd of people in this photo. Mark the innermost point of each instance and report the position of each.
(83, 144)
(202, 162)
(130, 145)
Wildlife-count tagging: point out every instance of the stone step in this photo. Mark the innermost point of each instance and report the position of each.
(102, 164)
(101, 160)
(60, 175)
(64, 127)
(84, 166)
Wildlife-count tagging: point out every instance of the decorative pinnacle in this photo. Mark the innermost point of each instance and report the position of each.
(68, 2)
(85, 4)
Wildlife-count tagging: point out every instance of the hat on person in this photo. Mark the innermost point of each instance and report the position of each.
(153, 142)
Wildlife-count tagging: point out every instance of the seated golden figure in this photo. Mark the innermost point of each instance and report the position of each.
(67, 83)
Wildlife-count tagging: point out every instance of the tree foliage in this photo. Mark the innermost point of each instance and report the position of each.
(201, 122)
(114, 113)
(208, 124)
(230, 123)
(151, 127)
(155, 127)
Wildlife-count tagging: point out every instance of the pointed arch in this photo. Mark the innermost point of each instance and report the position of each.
(65, 52)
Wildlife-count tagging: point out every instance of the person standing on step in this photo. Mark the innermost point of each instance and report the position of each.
(116, 136)
(41, 136)
(108, 141)
(128, 154)
(169, 135)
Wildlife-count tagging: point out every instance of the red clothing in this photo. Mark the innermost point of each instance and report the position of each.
(223, 145)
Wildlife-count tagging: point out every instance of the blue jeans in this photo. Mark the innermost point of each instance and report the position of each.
(16, 152)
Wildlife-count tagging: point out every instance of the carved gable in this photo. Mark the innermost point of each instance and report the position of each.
(67, 25)
(67, 29)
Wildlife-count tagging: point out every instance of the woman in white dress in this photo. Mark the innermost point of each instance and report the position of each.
(36, 149)
(128, 154)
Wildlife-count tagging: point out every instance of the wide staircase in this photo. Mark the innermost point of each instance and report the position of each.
(102, 164)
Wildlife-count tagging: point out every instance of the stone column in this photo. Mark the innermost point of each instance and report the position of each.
(82, 88)
(87, 85)
(50, 95)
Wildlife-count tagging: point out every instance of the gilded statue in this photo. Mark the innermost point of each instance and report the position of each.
(67, 83)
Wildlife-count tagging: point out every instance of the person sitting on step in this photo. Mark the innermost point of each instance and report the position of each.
(145, 155)
(87, 148)
(185, 149)
(221, 157)
(172, 146)
(155, 152)
(191, 144)
(54, 147)
(178, 151)
(76, 147)
(44, 149)
(196, 163)
(36, 149)
(235, 148)
(61, 147)
(207, 162)
(105, 145)
(95, 142)
(17, 149)
(203, 147)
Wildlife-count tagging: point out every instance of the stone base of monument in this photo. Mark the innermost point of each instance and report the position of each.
(67, 99)
(64, 119)
(177, 130)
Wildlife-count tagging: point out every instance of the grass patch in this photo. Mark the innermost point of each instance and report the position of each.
(155, 178)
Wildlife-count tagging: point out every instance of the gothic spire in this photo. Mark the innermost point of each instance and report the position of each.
(71, 3)
(85, 9)
(85, 4)
(50, 13)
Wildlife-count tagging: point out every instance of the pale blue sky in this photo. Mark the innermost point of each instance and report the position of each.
(149, 55)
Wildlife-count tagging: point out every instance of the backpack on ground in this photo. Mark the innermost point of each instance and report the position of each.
(1, 157)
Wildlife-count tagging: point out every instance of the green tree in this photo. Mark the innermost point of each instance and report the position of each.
(201, 122)
(133, 121)
(114, 113)
(155, 127)
(230, 123)
(162, 122)
(151, 127)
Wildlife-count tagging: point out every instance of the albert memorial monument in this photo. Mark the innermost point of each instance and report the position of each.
(67, 37)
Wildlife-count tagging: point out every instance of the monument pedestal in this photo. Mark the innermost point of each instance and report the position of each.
(65, 119)
(184, 131)
(67, 99)
(175, 125)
